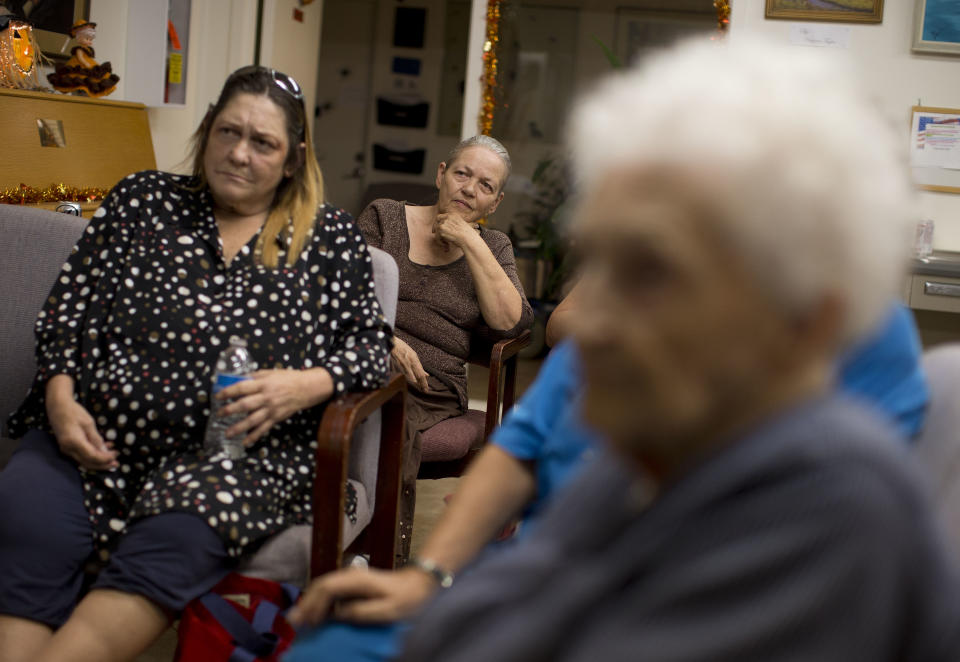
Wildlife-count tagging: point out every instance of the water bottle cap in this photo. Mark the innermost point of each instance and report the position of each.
(237, 340)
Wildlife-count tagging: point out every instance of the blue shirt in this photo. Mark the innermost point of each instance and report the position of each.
(545, 426)
(884, 371)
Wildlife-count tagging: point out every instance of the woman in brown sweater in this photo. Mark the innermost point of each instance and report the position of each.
(458, 279)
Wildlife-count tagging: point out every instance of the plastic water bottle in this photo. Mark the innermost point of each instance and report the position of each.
(923, 243)
(233, 365)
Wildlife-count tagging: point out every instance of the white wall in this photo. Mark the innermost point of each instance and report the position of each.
(214, 51)
(595, 20)
(222, 38)
(894, 76)
(473, 87)
(291, 46)
(111, 43)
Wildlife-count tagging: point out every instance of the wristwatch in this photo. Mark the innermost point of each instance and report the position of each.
(444, 577)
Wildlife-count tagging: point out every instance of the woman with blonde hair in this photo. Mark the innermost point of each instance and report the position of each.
(169, 269)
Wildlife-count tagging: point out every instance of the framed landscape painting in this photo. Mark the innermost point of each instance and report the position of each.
(937, 27)
(845, 11)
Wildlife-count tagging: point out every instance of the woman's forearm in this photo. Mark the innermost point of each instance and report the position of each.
(495, 489)
(561, 319)
(318, 385)
(500, 303)
(59, 389)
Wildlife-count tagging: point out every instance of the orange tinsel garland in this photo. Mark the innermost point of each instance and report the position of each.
(491, 65)
(28, 195)
(723, 14)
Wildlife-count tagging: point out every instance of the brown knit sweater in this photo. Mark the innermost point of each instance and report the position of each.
(437, 310)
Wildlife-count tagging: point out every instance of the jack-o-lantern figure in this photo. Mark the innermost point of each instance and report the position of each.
(18, 54)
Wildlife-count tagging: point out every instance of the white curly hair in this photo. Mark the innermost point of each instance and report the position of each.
(816, 194)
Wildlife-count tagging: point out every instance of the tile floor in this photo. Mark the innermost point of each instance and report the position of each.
(430, 493)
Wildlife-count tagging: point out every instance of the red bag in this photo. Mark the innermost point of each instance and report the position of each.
(240, 620)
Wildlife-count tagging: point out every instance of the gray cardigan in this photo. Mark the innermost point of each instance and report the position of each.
(810, 539)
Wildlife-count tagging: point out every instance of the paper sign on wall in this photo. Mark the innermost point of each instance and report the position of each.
(821, 36)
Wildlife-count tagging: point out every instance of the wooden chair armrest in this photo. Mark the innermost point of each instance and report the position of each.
(509, 347)
(501, 392)
(346, 412)
(483, 352)
(334, 436)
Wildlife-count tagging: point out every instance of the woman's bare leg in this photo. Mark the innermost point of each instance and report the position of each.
(20, 639)
(107, 626)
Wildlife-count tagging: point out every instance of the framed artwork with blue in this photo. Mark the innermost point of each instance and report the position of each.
(937, 27)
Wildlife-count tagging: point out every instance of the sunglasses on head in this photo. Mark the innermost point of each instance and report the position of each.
(280, 79)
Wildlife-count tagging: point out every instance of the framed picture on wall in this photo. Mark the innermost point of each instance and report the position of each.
(935, 148)
(937, 27)
(842, 11)
(51, 20)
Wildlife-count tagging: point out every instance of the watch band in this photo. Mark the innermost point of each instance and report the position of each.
(444, 577)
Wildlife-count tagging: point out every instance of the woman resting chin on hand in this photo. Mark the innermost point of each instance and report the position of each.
(458, 280)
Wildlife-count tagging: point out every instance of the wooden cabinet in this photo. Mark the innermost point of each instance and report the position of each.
(935, 292)
(81, 142)
(934, 296)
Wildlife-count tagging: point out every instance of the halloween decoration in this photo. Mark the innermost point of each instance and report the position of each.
(81, 74)
(19, 55)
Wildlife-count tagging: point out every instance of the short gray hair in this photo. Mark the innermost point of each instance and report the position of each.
(488, 142)
(815, 191)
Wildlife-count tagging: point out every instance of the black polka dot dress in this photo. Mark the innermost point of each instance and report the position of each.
(138, 316)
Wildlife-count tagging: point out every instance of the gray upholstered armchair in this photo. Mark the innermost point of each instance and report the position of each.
(939, 443)
(359, 439)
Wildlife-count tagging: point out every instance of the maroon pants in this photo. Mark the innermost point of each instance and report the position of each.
(423, 411)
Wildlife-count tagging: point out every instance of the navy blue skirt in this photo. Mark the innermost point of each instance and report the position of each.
(46, 542)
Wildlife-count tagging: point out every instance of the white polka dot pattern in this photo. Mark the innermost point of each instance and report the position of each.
(138, 316)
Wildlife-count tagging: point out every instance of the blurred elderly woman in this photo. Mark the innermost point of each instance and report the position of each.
(458, 281)
(110, 463)
(743, 217)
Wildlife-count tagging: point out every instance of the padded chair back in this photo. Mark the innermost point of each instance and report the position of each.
(35, 244)
(386, 279)
(365, 451)
(939, 443)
